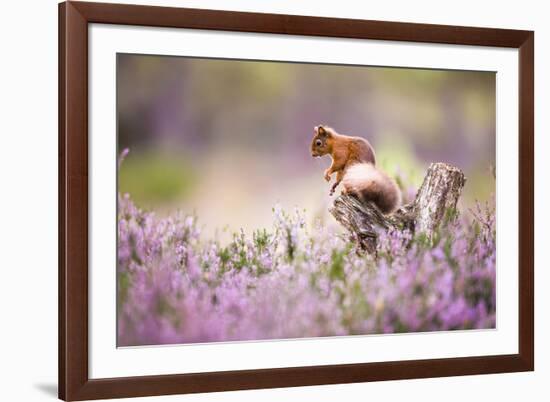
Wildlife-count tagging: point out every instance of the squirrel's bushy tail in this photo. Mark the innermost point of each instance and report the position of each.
(371, 184)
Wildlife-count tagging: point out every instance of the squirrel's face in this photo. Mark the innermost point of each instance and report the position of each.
(319, 144)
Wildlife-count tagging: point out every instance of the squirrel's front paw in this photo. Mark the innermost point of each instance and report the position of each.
(327, 175)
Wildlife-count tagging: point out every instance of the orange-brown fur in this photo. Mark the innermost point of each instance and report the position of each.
(345, 151)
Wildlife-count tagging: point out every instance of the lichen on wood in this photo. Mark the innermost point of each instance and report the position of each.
(437, 196)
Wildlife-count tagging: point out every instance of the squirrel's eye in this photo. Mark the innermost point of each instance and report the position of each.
(318, 143)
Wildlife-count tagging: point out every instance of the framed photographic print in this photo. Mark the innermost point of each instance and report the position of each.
(259, 200)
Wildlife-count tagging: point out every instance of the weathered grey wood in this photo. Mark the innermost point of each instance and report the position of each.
(360, 219)
(438, 194)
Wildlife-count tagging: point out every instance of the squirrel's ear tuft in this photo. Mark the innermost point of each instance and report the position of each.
(324, 132)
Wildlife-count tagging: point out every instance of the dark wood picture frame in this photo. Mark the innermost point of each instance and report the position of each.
(74, 382)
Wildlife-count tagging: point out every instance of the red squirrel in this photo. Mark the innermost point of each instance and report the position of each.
(353, 161)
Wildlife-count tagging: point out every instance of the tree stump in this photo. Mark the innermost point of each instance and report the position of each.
(438, 195)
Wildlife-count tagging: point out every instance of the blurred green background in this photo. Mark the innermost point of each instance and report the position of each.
(228, 139)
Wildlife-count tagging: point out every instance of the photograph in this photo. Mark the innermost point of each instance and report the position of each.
(265, 200)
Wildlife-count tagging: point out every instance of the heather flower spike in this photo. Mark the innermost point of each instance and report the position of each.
(122, 156)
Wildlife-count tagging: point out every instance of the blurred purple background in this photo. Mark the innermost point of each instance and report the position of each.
(228, 139)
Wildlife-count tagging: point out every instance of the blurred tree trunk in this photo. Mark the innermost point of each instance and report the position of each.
(437, 197)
